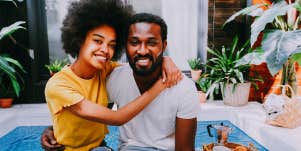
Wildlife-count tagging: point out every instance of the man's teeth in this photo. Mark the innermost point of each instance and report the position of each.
(143, 60)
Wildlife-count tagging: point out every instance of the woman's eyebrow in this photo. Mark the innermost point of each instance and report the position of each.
(98, 35)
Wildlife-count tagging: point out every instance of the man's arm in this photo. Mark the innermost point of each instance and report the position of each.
(185, 134)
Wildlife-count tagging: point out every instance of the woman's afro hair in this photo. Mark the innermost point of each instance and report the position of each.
(85, 15)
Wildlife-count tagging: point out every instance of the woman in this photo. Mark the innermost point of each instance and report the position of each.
(76, 96)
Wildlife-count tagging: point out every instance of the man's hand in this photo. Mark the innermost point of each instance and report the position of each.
(48, 141)
(171, 74)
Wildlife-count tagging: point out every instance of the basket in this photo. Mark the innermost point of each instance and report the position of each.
(290, 115)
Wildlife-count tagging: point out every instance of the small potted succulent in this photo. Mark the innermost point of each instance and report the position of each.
(203, 85)
(196, 68)
(55, 66)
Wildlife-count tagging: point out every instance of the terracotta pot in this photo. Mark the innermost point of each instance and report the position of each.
(195, 74)
(6, 102)
(202, 96)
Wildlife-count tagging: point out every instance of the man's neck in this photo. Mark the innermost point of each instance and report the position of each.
(146, 81)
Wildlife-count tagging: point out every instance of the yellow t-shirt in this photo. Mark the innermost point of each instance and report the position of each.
(65, 89)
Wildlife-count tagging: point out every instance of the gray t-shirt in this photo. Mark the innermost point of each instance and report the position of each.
(155, 125)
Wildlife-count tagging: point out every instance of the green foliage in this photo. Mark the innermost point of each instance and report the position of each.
(282, 35)
(223, 68)
(56, 66)
(10, 69)
(195, 63)
(204, 84)
(10, 77)
(10, 1)
(7, 31)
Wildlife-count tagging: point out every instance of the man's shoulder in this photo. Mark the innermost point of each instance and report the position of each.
(120, 72)
(186, 84)
(122, 69)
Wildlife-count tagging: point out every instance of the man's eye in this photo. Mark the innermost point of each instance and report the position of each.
(134, 43)
(152, 43)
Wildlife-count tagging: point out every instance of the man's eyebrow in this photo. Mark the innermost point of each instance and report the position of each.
(98, 35)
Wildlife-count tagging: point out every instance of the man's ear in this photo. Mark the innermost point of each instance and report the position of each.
(164, 45)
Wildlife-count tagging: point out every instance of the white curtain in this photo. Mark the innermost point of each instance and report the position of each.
(181, 18)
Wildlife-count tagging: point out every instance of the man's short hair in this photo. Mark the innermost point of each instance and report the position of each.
(85, 15)
(149, 18)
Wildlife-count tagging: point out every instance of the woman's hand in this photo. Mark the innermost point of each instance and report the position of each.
(171, 74)
(159, 86)
(48, 141)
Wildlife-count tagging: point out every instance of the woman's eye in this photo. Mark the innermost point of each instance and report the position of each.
(98, 41)
(112, 46)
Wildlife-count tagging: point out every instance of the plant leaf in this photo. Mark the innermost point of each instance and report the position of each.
(279, 46)
(298, 7)
(246, 11)
(256, 58)
(15, 62)
(4, 66)
(5, 31)
(297, 57)
(10, 1)
(268, 16)
(15, 85)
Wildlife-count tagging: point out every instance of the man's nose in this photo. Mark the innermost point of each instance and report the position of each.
(143, 50)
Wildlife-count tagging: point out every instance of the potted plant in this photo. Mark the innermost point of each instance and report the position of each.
(55, 66)
(195, 66)
(203, 85)
(280, 47)
(228, 77)
(10, 69)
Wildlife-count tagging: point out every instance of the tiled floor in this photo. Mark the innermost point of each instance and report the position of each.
(25, 115)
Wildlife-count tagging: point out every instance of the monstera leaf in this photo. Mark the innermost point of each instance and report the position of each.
(279, 46)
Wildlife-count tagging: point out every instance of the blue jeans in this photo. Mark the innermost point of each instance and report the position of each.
(137, 148)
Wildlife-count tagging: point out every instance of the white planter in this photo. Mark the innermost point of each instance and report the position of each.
(195, 74)
(239, 97)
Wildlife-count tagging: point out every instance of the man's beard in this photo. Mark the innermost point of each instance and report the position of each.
(156, 63)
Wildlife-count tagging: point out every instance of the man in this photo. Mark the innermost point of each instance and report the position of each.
(169, 122)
